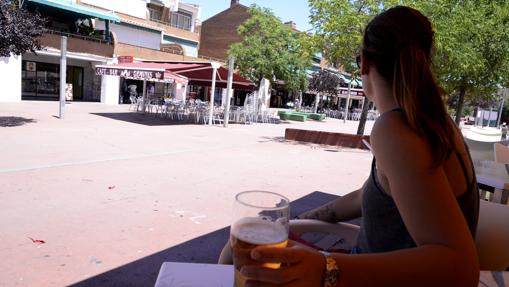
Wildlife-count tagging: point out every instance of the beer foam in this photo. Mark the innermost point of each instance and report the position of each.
(256, 230)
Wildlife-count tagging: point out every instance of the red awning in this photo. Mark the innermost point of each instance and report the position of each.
(196, 73)
(200, 74)
(141, 71)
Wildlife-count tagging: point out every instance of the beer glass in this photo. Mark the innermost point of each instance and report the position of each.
(260, 220)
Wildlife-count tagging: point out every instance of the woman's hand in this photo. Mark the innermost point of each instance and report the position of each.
(300, 266)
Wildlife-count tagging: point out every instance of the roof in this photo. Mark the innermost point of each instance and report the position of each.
(80, 9)
(226, 10)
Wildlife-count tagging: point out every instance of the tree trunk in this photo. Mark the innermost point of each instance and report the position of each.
(364, 117)
(459, 106)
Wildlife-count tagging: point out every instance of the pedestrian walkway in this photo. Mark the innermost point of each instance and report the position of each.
(102, 192)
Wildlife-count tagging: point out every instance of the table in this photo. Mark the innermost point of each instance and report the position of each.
(173, 274)
(495, 175)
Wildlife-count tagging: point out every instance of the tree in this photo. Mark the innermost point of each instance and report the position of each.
(19, 29)
(472, 48)
(271, 50)
(339, 26)
(324, 82)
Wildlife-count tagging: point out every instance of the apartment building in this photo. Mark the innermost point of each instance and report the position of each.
(100, 32)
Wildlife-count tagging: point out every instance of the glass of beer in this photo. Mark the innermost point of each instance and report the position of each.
(260, 220)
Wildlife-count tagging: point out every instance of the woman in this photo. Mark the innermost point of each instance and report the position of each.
(420, 204)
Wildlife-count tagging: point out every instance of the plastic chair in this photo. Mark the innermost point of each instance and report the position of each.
(480, 150)
(501, 153)
(132, 100)
(492, 236)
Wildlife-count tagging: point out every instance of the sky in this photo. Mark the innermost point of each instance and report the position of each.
(286, 10)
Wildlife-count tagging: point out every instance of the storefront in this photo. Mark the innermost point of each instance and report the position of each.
(40, 78)
(86, 47)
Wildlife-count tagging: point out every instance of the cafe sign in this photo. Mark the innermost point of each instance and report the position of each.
(136, 74)
(344, 91)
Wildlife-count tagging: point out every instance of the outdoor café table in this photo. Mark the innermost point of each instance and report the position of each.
(495, 175)
(174, 274)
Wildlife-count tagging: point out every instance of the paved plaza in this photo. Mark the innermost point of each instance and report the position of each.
(105, 186)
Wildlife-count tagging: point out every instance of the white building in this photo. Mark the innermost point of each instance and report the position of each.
(162, 30)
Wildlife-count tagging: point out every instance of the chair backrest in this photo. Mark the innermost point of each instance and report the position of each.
(480, 150)
(501, 153)
(492, 237)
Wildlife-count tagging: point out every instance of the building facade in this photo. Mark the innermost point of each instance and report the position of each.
(99, 32)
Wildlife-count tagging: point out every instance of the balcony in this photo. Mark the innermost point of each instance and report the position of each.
(94, 45)
(174, 19)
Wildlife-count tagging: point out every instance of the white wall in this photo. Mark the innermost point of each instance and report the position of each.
(132, 36)
(110, 87)
(191, 51)
(193, 9)
(10, 73)
(135, 8)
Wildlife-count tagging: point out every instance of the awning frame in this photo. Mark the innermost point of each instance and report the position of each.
(80, 9)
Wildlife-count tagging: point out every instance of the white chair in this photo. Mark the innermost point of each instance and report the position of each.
(132, 100)
(480, 150)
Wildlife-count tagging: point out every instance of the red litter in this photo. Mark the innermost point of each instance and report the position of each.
(37, 241)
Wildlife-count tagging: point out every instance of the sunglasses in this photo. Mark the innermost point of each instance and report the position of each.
(358, 61)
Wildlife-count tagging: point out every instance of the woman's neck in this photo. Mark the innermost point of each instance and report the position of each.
(384, 99)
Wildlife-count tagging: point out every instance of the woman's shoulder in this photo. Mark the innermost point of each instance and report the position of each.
(392, 136)
(391, 126)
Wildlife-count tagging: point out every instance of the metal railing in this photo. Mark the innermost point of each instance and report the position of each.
(166, 23)
(98, 39)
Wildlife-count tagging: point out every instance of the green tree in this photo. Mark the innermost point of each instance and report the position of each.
(472, 48)
(19, 29)
(339, 26)
(271, 50)
(324, 82)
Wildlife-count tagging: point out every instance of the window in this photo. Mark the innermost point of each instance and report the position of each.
(42, 80)
(155, 15)
(181, 20)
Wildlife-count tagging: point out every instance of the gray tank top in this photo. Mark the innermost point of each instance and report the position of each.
(382, 228)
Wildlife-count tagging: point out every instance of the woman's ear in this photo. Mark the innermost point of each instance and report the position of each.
(364, 65)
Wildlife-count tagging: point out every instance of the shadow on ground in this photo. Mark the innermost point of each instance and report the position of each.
(15, 121)
(326, 148)
(144, 119)
(157, 120)
(204, 249)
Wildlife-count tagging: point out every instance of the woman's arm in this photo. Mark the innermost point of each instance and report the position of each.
(445, 254)
(343, 208)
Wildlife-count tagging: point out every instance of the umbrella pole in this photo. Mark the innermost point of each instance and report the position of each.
(228, 92)
(348, 101)
(215, 66)
(144, 102)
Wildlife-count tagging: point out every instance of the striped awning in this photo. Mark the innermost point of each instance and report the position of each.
(69, 5)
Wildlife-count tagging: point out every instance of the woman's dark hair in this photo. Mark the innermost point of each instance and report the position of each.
(399, 42)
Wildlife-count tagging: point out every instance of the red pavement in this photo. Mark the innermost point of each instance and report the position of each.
(102, 192)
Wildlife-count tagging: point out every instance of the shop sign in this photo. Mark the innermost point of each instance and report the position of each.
(31, 66)
(125, 59)
(344, 91)
(130, 73)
